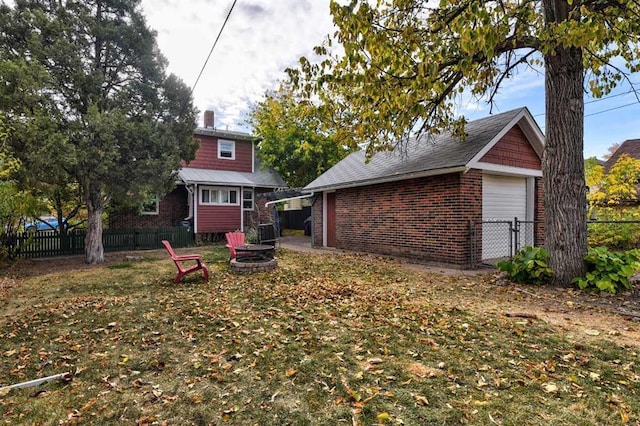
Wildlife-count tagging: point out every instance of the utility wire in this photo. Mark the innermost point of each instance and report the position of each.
(611, 109)
(604, 99)
(213, 46)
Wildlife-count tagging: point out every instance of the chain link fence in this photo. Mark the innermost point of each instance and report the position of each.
(495, 240)
(614, 234)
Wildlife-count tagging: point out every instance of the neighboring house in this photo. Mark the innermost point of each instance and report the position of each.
(424, 202)
(631, 147)
(216, 192)
(630, 195)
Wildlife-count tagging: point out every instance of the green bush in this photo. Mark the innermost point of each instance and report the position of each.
(615, 236)
(528, 266)
(607, 271)
(251, 236)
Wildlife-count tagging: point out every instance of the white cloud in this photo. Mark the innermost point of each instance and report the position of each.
(260, 40)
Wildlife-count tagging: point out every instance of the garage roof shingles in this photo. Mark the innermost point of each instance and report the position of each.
(441, 152)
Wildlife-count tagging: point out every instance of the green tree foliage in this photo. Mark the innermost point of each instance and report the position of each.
(15, 204)
(407, 63)
(92, 109)
(295, 141)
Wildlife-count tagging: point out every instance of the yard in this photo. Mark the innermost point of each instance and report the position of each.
(325, 339)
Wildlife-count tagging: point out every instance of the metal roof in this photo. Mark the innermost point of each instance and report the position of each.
(266, 178)
(426, 156)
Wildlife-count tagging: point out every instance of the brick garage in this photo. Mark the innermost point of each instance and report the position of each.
(421, 204)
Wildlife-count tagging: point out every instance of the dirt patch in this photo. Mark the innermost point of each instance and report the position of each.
(34, 267)
(580, 315)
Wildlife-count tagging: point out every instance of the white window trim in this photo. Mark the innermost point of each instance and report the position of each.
(233, 149)
(252, 199)
(218, 190)
(155, 212)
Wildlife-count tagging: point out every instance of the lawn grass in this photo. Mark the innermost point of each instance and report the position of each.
(323, 340)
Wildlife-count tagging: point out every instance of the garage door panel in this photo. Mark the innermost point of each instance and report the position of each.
(503, 199)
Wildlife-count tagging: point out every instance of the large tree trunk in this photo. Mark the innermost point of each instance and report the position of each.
(563, 165)
(93, 249)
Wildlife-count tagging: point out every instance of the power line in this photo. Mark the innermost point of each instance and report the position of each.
(213, 46)
(609, 97)
(611, 109)
(604, 99)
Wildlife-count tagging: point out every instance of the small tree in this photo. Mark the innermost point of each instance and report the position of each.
(90, 104)
(15, 204)
(294, 139)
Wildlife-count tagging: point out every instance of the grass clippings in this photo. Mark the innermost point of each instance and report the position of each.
(324, 339)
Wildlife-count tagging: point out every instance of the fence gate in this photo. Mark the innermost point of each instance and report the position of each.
(495, 240)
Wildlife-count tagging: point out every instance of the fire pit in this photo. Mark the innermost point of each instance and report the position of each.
(251, 264)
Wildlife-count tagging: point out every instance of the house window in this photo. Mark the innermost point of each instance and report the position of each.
(226, 149)
(247, 199)
(208, 196)
(151, 207)
(218, 196)
(228, 196)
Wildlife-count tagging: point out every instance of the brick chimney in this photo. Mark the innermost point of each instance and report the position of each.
(208, 119)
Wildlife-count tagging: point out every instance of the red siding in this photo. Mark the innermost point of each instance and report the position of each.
(218, 218)
(513, 150)
(207, 156)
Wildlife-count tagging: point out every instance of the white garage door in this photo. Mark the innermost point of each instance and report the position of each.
(503, 199)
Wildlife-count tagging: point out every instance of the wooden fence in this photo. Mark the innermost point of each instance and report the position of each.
(50, 243)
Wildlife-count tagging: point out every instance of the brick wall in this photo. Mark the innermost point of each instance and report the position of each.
(425, 218)
(513, 150)
(173, 209)
(316, 218)
(260, 213)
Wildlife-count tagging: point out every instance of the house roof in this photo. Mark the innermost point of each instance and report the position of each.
(630, 147)
(261, 179)
(429, 156)
(224, 134)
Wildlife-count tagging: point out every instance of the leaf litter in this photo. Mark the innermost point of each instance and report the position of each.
(323, 339)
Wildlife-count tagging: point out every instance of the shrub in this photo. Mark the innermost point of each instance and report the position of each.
(607, 271)
(615, 236)
(251, 236)
(528, 266)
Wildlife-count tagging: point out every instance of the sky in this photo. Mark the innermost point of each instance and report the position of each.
(264, 37)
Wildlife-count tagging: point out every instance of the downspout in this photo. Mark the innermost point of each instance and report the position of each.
(241, 196)
(189, 202)
(268, 203)
(195, 208)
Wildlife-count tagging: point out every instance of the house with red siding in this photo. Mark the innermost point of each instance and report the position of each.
(437, 199)
(216, 192)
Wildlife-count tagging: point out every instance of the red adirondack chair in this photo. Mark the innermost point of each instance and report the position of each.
(179, 259)
(234, 239)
